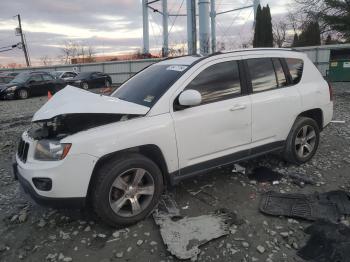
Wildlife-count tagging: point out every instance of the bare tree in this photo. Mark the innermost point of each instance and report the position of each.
(279, 33)
(69, 51)
(46, 60)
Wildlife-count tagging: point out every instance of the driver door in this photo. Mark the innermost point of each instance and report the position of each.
(210, 134)
(36, 84)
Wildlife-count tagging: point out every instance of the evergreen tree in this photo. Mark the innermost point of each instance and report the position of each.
(295, 40)
(329, 40)
(338, 17)
(268, 28)
(258, 28)
(263, 36)
(311, 35)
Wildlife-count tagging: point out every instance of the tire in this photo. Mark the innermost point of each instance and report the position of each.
(22, 94)
(302, 141)
(85, 86)
(108, 83)
(116, 196)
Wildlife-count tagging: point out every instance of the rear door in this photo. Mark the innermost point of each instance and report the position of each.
(275, 101)
(207, 135)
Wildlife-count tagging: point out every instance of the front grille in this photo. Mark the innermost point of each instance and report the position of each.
(22, 151)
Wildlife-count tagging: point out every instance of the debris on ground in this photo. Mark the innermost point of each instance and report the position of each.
(327, 242)
(338, 121)
(184, 235)
(264, 174)
(329, 206)
(239, 169)
(301, 180)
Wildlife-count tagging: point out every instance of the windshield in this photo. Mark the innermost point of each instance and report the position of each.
(56, 73)
(146, 87)
(21, 78)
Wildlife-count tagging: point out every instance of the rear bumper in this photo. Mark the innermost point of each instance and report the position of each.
(76, 202)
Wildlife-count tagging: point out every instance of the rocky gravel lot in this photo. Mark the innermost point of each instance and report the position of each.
(33, 233)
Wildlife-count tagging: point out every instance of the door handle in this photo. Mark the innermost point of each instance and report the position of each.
(238, 107)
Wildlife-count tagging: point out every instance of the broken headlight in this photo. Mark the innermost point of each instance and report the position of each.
(49, 150)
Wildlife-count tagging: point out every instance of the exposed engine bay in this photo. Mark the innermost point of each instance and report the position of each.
(62, 126)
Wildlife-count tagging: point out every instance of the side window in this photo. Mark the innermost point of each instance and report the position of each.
(262, 74)
(218, 82)
(281, 77)
(47, 77)
(296, 67)
(36, 78)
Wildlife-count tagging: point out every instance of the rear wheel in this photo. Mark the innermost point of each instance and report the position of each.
(303, 140)
(127, 189)
(22, 94)
(108, 83)
(85, 86)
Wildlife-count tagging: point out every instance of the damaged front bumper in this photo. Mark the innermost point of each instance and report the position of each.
(69, 178)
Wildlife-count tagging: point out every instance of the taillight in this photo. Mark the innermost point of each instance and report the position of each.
(330, 91)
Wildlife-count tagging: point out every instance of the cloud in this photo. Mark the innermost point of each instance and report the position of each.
(108, 25)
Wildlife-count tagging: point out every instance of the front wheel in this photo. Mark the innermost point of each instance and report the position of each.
(303, 140)
(22, 94)
(126, 190)
(85, 86)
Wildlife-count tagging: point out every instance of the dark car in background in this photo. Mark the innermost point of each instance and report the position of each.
(11, 74)
(28, 84)
(5, 79)
(87, 80)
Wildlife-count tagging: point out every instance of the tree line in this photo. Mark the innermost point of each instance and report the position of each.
(311, 23)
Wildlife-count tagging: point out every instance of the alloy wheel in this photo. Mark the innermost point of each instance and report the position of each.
(131, 192)
(23, 94)
(305, 141)
(85, 86)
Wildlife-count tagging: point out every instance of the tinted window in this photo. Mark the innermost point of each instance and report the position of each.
(47, 77)
(36, 78)
(281, 77)
(295, 68)
(262, 74)
(146, 87)
(218, 82)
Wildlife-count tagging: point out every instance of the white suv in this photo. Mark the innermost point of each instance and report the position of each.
(173, 120)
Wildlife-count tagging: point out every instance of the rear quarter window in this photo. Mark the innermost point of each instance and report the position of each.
(296, 67)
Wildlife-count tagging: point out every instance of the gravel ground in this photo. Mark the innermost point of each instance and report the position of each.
(33, 233)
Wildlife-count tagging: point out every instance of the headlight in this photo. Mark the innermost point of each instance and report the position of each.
(12, 88)
(77, 81)
(49, 150)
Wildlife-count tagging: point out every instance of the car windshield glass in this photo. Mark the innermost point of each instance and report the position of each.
(146, 87)
(21, 78)
(56, 74)
(84, 74)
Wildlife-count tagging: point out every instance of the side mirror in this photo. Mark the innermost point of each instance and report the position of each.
(190, 97)
(31, 82)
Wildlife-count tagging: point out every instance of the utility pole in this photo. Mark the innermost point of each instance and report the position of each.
(24, 46)
(145, 27)
(191, 27)
(204, 34)
(165, 49)
(213, 25)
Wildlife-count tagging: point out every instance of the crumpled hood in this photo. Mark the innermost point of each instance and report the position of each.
(72, 100)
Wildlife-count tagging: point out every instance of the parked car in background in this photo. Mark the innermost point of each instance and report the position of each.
(173, 120)
(65, 75)
(5, 79)
(28, 84)
(87, 80)
(11, 74)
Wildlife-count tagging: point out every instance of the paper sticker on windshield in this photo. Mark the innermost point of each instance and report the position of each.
(148, 99)
(178, 68)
